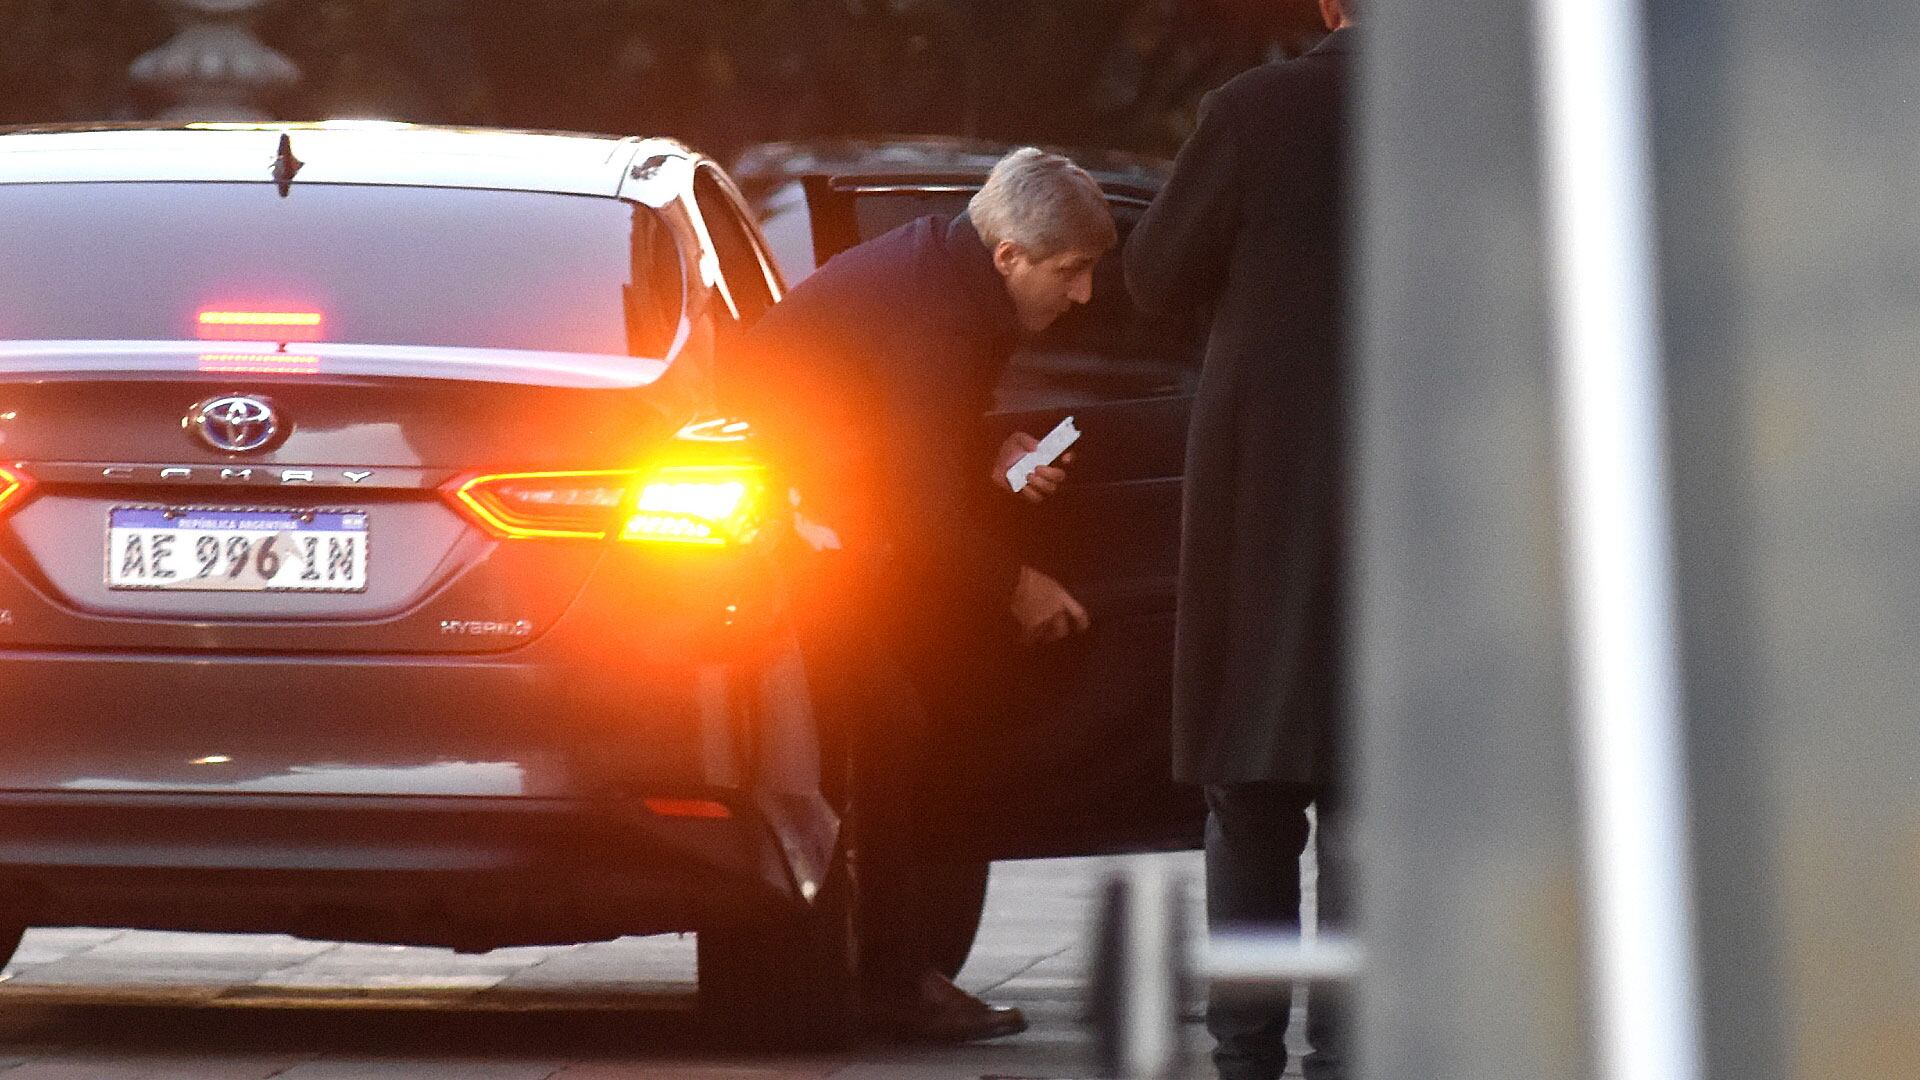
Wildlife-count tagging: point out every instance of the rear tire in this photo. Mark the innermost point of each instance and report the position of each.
(790, 984)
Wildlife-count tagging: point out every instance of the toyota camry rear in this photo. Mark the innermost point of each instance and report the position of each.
(370, 563)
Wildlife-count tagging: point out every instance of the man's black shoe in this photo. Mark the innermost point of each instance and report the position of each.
(942, 1012)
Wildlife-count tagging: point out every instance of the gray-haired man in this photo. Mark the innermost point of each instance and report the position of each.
(873, 376)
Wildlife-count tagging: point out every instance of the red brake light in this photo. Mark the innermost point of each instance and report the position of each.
(547, 505)
(230, 325)
(14, 487)
(259, 318)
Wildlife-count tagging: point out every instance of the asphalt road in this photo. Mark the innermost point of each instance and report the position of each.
(88, 1004)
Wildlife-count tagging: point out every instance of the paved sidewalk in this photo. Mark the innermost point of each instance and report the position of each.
(83, 1004)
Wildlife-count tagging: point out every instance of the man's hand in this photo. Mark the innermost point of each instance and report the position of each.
(1045, 610)
(1045, 480)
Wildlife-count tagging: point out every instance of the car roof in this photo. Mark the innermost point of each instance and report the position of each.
(330, 152)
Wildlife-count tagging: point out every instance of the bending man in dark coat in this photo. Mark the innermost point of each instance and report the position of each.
(1252, 224)
(875, 374)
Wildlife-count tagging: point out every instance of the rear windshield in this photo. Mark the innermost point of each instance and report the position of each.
(338, 263)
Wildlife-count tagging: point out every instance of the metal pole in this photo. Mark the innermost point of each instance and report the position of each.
(1258, 964)
(1469, 828)
(1618, 538)
(1141, 978)
(1140, 974)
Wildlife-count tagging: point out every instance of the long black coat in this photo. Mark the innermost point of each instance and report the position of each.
(1253, 224)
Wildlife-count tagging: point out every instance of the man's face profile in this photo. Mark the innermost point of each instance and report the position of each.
(1044, 289)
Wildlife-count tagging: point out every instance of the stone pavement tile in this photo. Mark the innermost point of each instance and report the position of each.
(641, 961)
(147, 965)
(383, 968)
(76, 1067)
(407, 956)
(264, 948)
(421, 982)
(95, 1066)
(64, 940)
(45, 943)
(245, 1068)
(346, 1068)
(676, 1071)
(652, 948)
(197, 979)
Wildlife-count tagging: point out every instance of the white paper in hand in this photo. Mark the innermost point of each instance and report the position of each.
(1048, 452)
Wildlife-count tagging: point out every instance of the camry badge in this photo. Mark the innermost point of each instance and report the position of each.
(235, 424)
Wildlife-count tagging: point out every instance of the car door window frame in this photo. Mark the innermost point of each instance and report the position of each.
(720, 208)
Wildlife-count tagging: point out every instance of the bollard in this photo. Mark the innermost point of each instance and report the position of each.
(1142, 974)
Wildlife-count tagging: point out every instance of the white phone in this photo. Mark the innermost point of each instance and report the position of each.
(1062, 436)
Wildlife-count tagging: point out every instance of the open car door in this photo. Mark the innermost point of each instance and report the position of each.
(1079, 762)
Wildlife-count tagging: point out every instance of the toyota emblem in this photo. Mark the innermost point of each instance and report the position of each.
(235, 424)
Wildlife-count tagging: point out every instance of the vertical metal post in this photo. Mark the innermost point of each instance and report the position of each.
(1789, 225)
(1469, 827)
(1613, 443)
(1141, 974)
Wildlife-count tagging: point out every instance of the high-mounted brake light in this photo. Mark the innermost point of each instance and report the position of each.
(260, 318)
(709, 505)
(251, 325)
(14, 487)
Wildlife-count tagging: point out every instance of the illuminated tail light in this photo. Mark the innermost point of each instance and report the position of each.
(225, 325)
(711, 505)
(552, 505)
(259, 318)
(14, 488)
(703, 505)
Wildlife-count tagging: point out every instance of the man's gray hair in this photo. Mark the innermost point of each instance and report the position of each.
(1044, 203)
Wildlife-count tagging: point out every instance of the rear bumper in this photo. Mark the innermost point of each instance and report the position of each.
(465, 801)
(469, 873)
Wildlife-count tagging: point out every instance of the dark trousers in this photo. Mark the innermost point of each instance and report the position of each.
(1255, 835)
(896, 702)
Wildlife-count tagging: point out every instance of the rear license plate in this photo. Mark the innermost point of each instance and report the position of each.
(214, 550)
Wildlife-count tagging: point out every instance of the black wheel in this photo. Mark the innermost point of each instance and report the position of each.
(956, 898)
(793, 983)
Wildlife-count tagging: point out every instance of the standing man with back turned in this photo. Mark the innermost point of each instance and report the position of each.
(1253, 223)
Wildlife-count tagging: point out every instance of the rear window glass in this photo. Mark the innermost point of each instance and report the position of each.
(449, 267)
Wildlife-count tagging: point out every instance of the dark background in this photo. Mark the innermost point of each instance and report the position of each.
(722, 74)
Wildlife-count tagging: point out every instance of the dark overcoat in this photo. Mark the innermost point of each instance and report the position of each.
(871, 377)
(1253, 224)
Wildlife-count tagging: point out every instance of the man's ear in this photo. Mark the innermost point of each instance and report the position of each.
(1005, 254)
